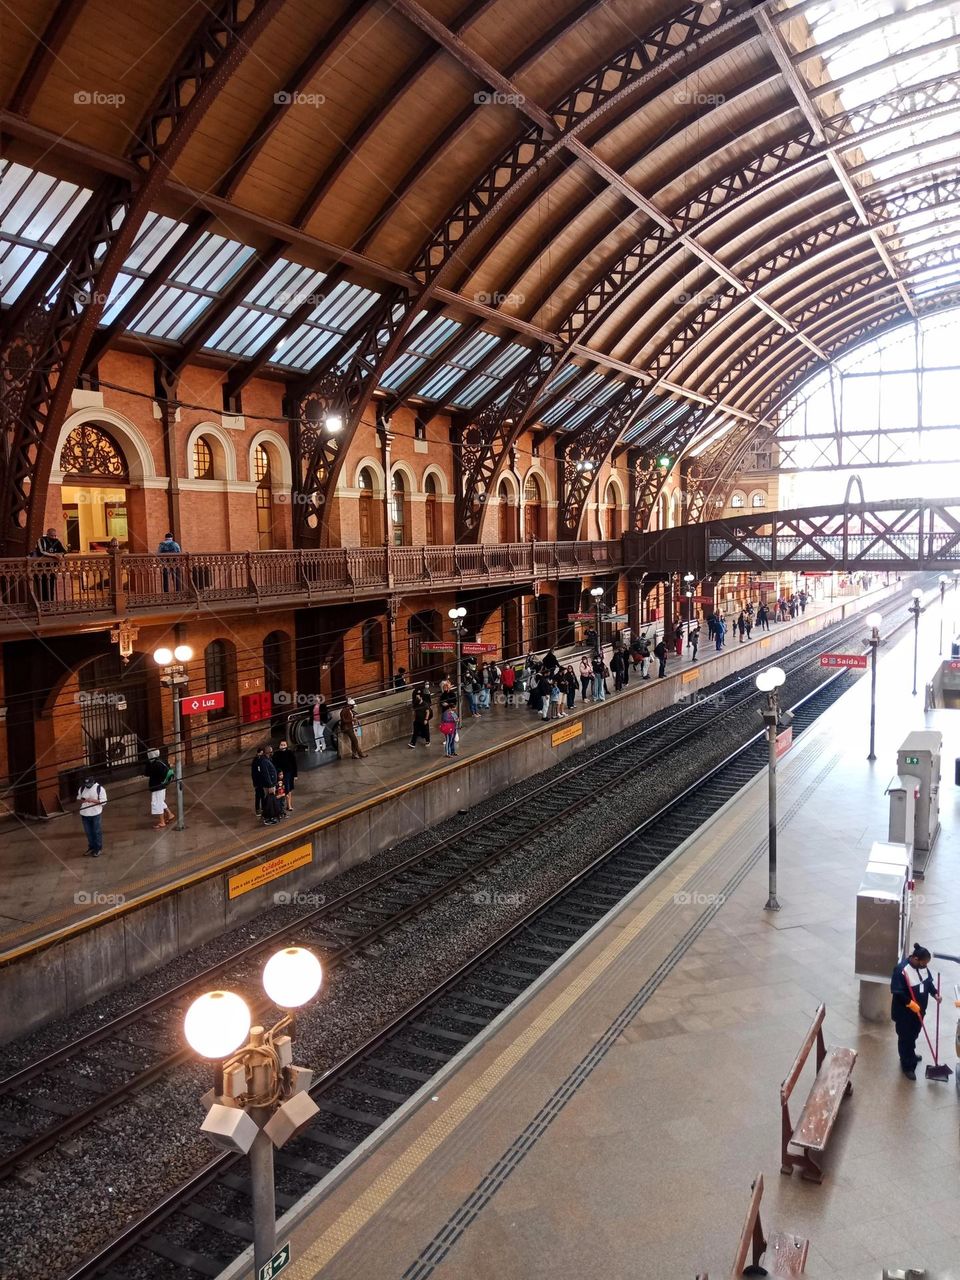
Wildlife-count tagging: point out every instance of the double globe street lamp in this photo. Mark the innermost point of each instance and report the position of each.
(456, 617)
(874, 622)
(259, 1099)
(173, 673)
(916, 609)
(597, 594)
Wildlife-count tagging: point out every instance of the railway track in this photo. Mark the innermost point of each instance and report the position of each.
(128, 1054)
(202, 1225)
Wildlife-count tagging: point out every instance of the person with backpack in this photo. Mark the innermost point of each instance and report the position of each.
(285, 763)
(159, 775)
(92, 797)
(644, 657)
(660, 653)
(449, 725)
(617, 662)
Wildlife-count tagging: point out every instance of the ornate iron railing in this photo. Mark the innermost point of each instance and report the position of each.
(125, 585)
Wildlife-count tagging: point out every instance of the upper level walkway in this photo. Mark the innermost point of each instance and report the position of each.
(104, 588)
(908, 535)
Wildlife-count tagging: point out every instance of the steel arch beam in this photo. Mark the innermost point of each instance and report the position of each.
(42, 357)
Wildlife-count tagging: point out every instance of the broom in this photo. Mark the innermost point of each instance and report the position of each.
(938, 1070)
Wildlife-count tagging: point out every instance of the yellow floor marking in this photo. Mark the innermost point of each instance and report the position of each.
(371, 1201)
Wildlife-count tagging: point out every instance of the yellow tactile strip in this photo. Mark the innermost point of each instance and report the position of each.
(371, 1201)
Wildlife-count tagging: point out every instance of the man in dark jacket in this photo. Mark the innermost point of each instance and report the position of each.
(660, 652)
(550, 663)
(912, 986)
(422, 715)
(285, 763)
(158, 774)
(263, 774)
(617, 664)
(348, 729)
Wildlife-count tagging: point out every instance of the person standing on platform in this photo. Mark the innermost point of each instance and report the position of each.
(570, 686)
(400, 679)
(92, 798)
(550, 663)
(660, 652)
(556, 699)
(348, 726)
(422, 715)
(616, 666)
(678, 637)
(763, 618)
(644, 657)
(285, 763)
(263, 775)
(693, 640)
(508, 678)
(599, 688)
(720, 630)
(159, 775)
(912, 986)
(449, 725)
(586, 678)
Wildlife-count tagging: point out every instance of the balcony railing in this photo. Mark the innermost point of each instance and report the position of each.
(122, 585)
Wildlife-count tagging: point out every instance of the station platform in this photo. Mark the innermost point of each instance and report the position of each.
(611, 1122)
(46, 872)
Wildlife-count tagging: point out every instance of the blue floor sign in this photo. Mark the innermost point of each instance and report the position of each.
(276, 1264)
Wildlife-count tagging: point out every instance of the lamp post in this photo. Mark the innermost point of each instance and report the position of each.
(956, 578)
(916, 609)
(874, 622)
(172, 673)
(943, 591)
(688, 581)
(457, 616)
(259, 1098)
(769, 681)
(597, 593)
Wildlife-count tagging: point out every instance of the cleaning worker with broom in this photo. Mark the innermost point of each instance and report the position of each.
(912, 985)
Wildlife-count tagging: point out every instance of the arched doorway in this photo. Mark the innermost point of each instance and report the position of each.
(262, 475)
(431, 512)
(398, 509)
(533, 523)
(368, 522)
(94, 489)
(276, 667)
(614, 525)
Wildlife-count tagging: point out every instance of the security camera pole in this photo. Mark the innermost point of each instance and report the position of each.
(260, 1098)
(769, 681)
(874, 622)
(916, 609)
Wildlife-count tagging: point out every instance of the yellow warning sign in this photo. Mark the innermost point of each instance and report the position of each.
(765, 644)
(245, 881)
(692, 674)
(566, 733)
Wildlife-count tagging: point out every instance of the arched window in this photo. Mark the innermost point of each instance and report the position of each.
(507, 514)
(90, 452)
(398, 509)
(202, 459)
(371, 641)
(613, 512)
(367, 521)
(737, 500)
(261, 472)
(532, 510)
(759, 499)
(217, 677)
(431, 511)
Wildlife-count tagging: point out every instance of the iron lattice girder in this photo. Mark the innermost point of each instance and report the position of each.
(903, 535)
(592, 445)
(653, 478)
(58, 317)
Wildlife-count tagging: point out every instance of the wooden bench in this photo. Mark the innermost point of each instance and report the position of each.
(820, 1111)
(786, 1255)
